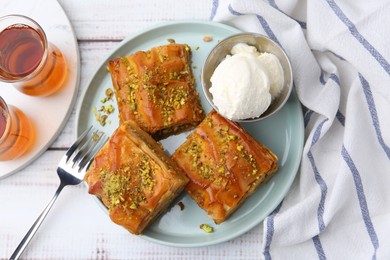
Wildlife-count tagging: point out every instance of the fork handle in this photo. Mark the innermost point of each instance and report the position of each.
(27, 238)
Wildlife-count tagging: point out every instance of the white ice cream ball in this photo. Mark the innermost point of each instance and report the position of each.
(244, 48)
(275, 72)
(240, 87)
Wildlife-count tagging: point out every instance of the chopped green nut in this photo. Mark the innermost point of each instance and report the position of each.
(207, 228)
(109, 92)
(95, 137)
(133, 206)
(108, 109)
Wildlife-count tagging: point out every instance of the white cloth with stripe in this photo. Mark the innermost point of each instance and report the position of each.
(339, 204)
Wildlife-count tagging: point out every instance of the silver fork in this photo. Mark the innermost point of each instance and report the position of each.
(71, 171)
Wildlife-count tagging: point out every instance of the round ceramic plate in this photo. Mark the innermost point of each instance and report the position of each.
(48, 114)
(282, 133)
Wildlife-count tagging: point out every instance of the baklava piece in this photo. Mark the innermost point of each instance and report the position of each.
(225, 165)
(134, 178)
(156, 90)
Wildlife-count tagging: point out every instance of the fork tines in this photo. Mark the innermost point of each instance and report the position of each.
(86, 147)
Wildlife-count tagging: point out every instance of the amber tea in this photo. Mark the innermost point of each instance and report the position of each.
(16, 132)
(27, 60)
(22, 50)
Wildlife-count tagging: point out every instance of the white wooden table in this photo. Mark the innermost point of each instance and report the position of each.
(76, 228)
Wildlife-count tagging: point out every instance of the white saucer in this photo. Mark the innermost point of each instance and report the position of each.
(48, 114)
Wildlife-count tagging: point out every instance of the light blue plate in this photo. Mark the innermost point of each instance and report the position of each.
(283, 133)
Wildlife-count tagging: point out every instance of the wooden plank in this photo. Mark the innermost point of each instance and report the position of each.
(103, 20)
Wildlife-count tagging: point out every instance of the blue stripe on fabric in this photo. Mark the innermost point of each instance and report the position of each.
(324, 191)
(374, 114)
(335, 78)
(270, 232)
(355, 33)
(362, 200)
(332, 76)
(233, 12)
(267, 29)
(319, 249)
(274, 5)
(317, 133)
(340, 117)
(263, 23)
(323, 188)
(214, 9)
(307, 117)
(322, 80)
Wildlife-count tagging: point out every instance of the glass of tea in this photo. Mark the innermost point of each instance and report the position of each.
(27, 60)
(16, 132)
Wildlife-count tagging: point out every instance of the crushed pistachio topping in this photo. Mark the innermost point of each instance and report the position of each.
(226, 141)
(99, 117)
(126, 187)
(174, 99)
(131, 83)
(96, 136)
(207, 228)
(206, 172)
(108, 109)
(209, 122)
(102, 113)
(197, 48)
(109, 94)
(170, 40)
(162, 57)
(194, 151)
(115, 187)
(249, 158)
(145, 170)
(232, 137)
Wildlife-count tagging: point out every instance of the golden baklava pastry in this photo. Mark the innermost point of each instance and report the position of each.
(134, 178)
(225, 165)
(156, 90)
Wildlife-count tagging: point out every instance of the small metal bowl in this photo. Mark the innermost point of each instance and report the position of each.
(263, 44)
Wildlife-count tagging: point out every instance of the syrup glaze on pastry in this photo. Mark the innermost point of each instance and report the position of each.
(225, 164)
(134, 178)
(156, 90)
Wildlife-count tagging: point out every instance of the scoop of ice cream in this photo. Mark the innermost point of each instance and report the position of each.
(275, 72)
(245, 82)
(244, 48)
(240, 86)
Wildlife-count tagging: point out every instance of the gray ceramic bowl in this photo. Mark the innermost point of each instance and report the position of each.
(263, 44)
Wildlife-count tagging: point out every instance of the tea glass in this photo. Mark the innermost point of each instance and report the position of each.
(32, 64)
(16, 132)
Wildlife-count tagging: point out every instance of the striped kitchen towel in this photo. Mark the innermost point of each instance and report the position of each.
(339, 204)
